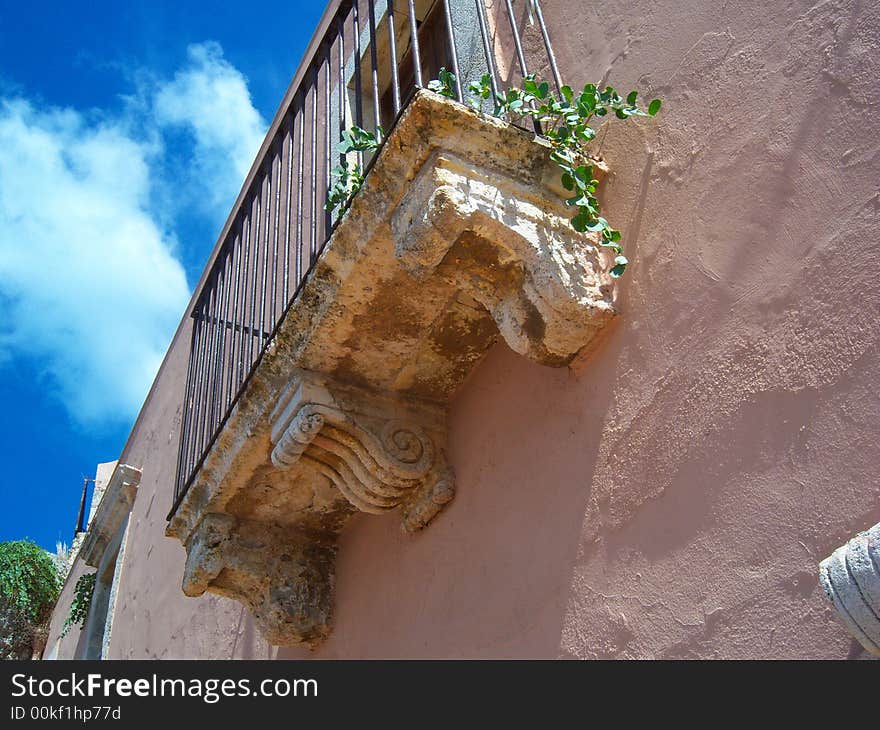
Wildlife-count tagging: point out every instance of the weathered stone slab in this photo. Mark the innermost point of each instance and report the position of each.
(112, 510)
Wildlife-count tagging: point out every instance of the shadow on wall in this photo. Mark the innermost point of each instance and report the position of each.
(248, 643)
(492, 575)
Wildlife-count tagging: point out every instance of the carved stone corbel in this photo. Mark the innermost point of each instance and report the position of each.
(458, 236)
(500, 244)
(336, 450)
(284, 576)
(380, 452)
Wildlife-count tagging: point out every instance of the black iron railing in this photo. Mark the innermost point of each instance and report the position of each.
(364, 62)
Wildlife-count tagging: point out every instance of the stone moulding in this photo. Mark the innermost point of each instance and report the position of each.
(850, 577)
(458, 236)
(113, 509)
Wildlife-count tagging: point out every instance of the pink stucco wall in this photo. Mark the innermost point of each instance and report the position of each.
(71, 645)
(674, 498)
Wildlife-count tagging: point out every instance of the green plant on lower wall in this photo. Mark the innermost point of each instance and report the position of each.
(82, 601)
(29, 579)
(29, 585)
(348, 177)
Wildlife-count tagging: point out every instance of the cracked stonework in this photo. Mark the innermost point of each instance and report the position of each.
(458, 236)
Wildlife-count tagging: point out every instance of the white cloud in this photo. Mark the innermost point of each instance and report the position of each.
(90, 283)
(94, 289)
(210, 99)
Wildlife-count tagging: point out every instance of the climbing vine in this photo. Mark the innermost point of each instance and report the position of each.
(82, 601)
(566, 121)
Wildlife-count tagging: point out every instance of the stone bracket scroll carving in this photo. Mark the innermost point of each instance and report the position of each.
(380, 452)
(335, 450)
(508, 250)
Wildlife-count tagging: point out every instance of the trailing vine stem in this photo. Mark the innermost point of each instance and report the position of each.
(348, 178)
(565, 123)
(82, 601)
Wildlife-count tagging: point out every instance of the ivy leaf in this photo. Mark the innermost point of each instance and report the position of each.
(654, 107)
(580, 222)
(587, 134)
(584, 172)
(586, 104)
(561, 157)
(619, 266)
(444, 85)
(616, 247)
(631, 98)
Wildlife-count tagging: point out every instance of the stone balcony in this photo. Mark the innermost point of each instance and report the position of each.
(458, 236)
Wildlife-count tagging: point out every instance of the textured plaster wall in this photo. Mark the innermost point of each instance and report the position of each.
(675, 497)
(72, 645)
(153, 618)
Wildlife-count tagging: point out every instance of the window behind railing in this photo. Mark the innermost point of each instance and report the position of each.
(362, 66)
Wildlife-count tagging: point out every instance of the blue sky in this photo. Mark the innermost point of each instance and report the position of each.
(126, 130)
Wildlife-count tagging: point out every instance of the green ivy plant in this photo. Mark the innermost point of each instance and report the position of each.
(82, 601)
(566, 124)
(444, 84)
(348, 178)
